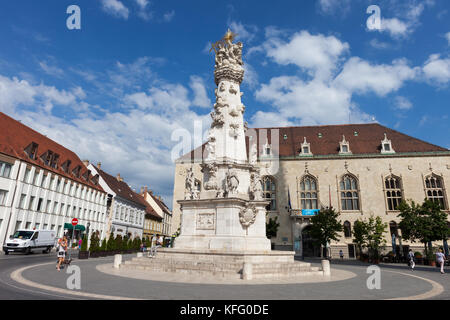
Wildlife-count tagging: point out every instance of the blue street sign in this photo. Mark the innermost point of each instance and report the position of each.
(310, 212)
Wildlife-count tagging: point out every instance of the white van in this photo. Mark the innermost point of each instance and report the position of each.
(28, 241)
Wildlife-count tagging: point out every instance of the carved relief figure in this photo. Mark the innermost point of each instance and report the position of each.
(256, 190)
(253, 154)
(232, 182)
(189, 184)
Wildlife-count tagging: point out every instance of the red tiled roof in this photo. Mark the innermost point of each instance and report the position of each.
(121, 188)
(151, 213)
(15, 137)
(367, 140)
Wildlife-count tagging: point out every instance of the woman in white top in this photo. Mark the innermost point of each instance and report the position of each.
(62, 248)
(440, 258)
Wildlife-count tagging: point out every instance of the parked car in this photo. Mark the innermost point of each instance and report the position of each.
(27, 241)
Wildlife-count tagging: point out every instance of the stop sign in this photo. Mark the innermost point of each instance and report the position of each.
(74, 221)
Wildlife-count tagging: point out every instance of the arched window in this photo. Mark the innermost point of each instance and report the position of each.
(308, 193)
(435, 190)
(347, 229)
(270, 192)
(349, 193)
(394, 193)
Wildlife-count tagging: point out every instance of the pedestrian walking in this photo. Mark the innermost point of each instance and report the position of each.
(79, 244)
(411, 257)
(61, 248)
(341, 254)
(440, 258)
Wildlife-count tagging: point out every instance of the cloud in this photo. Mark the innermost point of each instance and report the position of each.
(51, 70)
(437, 69)
(402, 103)
(359, 76)
(200, 96)
(447, 36)
(245, 33)
(115, 8)
(319, 59)
(334, 7)
(168, 16)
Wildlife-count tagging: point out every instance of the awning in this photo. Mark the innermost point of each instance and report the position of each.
(69, 226)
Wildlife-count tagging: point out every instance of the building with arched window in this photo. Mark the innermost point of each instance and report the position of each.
(361, 170)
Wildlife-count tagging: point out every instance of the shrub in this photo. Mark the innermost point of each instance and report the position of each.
(103, 247)
(84, 243)
(110, 245)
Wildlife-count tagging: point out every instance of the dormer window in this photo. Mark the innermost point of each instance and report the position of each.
(31, 150)
(306, 148)
(344, 146)
(267, 149)
(65, 166)
(54, 161)
(76, 171)
(86, 175)
(386, 145)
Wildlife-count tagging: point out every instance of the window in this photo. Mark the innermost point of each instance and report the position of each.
(39, 206)
(393, 192)
(344, 146)
(3, 195)
(51, 182)
(31, 150)
(347, 229)
(44, 177)
(308, 193)
(435, 190)
(5, 169)
(270, 192)
(55, 208)
(47, 208)
(306, 148)
(35, 178)
(31, 203)
(349, 193)
(27, 175)
(386, 145)
(22, 201)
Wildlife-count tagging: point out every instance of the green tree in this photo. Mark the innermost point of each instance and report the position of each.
(359, 234)
(94, 247)
(425, 223)
(370, 234)
(110, 245)
(326, 227)
(118, 243)
(103, 247)
(84, 243)
(272, 227)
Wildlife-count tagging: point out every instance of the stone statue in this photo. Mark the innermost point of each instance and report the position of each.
(253, 154)
(217, 118)
(211, 172)
(232, 182)
(211, 147)
(189, 185)
(256, 190)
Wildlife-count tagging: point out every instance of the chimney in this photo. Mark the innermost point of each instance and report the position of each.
(85, 162)
(119, 178)
(99, 165)
(142, 190)
(146, 189)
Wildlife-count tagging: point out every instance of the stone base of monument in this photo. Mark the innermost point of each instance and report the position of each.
(225, 264)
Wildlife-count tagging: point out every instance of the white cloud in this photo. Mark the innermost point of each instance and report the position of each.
(200, 96)
(168, 16)
(375, 43)
(395, 27)
(334, 7)
(437, 69)
(402, 103)
(51, 70)
(359, 76)
(318, 54)
(115, 8)
(447, 36)
(244, 32)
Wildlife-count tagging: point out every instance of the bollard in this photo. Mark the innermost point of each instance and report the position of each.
(247, 271)
(117, 261)
(140, 254)
(326, 268)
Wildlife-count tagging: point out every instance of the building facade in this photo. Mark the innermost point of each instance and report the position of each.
(160, 208)
(126, 209)
(153, 223)
(44, 185)
(360, 170)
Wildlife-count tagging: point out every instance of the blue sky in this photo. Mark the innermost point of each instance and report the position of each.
(138, 70)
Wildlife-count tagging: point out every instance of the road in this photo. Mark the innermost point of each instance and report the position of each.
(11, 290)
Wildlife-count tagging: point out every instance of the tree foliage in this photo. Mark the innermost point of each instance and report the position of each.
(370, 234)
(425, 223)
(326, 227)
(272, 227)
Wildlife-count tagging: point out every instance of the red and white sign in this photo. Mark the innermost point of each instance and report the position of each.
(74, 221)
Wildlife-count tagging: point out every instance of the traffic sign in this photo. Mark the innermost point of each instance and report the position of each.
(74, 221)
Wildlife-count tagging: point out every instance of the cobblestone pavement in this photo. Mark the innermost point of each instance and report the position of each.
(397, 281)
